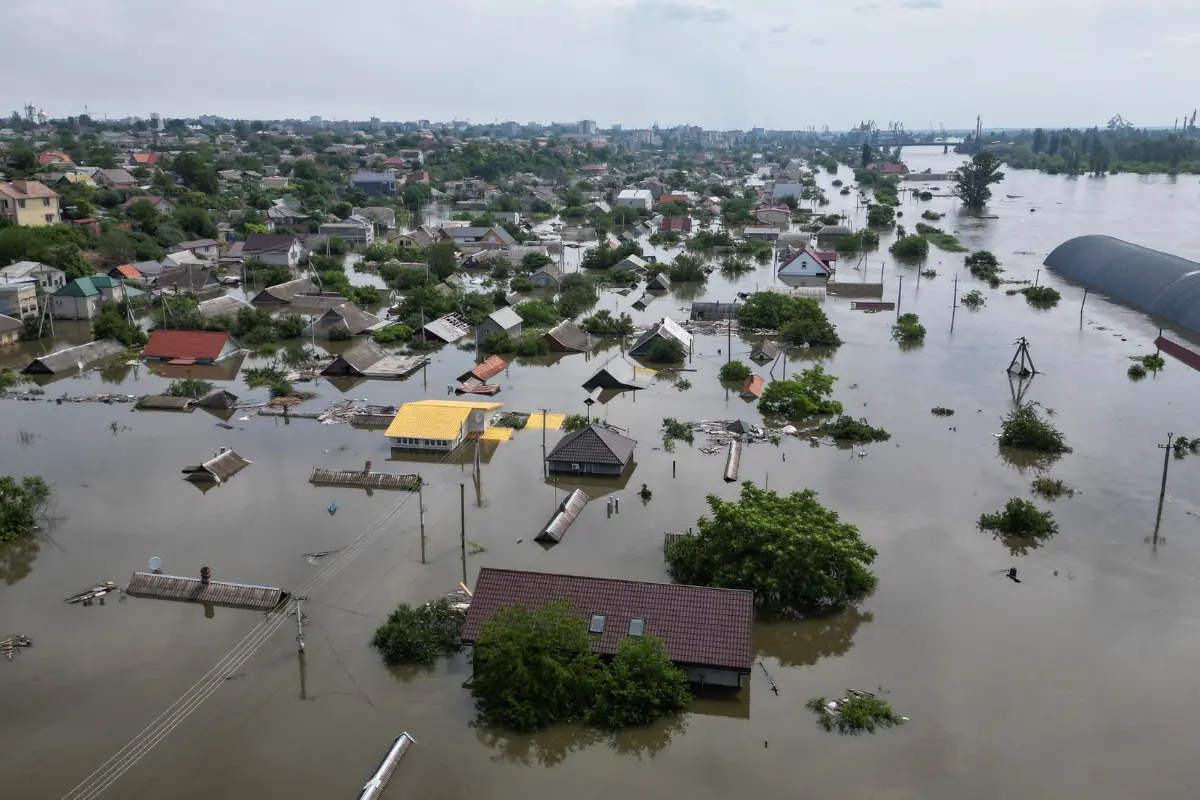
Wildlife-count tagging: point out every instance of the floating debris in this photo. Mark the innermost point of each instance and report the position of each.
(13, 645)
(88, 595)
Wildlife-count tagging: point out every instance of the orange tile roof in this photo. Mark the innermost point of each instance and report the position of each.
(129, 271)
(32, 189)
(200, 345)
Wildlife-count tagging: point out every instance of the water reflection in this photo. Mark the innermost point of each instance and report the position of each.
(17, 557)
(1024, 460)
(550, 747)
(1019, 545)
(804, 642)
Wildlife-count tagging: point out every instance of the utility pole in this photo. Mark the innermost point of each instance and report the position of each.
(1081, 305)
(462, 530)
(1022, 355)
(1162, 491)
(899, 289)
(300, 623)
(544, 466)
(421, 510)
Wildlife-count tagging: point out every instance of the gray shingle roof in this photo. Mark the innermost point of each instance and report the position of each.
(698, 625)
(505, 317)
(594, 444)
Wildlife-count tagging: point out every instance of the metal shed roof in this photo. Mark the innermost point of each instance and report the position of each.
(71, 357)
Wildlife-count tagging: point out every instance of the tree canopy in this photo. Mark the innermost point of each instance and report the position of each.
(790, 550)
(973, 180)
(802, 396)
(20, 504)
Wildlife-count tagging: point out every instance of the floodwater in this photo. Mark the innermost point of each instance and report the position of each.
(1076, 682)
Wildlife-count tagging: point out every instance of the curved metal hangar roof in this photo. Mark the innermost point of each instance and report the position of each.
(1157, 283)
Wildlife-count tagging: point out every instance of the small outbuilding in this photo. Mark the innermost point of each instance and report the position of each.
(659, 283)
(567, 337)
(665, 329)
(502, 320)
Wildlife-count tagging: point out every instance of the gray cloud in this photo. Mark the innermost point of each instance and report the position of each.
(867, 9)
(668, 11)
(818, 41)
(921, 4)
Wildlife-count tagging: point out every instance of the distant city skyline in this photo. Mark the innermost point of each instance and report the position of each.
(716, 64)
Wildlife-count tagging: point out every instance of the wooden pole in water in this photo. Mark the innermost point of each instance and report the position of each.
(421, 511)
(462, 530)
(1166, 448)
(899, 289)
(1081, 305)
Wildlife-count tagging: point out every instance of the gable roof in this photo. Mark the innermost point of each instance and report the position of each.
(813, 254)
(490, 368)
(435, 419)
(33, 189)
(188, 277)
(200, 345)
(666, 328)
(566, 335)
(71, 357)
(225, 304)
(149, 198)
(8, 324)
(283, 292)
(680, 224)
(127, 271)
(79, 287)
(505, 317)
(117, 175)
(594, 444)
(268, 243)
(22, 269)
(469, 232)
(752, 387)
(698, 625)
(351, 316)
(449, 328)
(360, 357)
(373, 177)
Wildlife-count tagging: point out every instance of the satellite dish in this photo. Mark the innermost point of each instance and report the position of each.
(155, 564)
(479, 416)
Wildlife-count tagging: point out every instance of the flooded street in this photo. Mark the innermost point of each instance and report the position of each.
(1075, 684)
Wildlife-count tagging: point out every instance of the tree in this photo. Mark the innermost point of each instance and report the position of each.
(111, 324)
(866, 154)
(20, 506)
(1039, 140)
(914, 246)
(537, 313)
(419, 635)
(441, 260)
(734, 371)
(791, 551)
(971, 181)
(880, 216)
(802, 396)
(196, 172)
(665, 351)
(189, 387)
(1024, 429)
(532, 262)
(196, 221)
(639, 686)
(533, 668)
(145, 215)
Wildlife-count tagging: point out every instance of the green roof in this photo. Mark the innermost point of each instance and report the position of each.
(80, 287)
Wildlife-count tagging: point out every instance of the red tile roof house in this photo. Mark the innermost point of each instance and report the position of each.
(190, 347)
(707, 632)
(889, 169)
(674, 198)
(677, 224)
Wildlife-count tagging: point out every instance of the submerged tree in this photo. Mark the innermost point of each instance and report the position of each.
(973, 179)
(794, 553)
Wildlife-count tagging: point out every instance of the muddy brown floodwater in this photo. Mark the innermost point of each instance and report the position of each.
(1075, 684)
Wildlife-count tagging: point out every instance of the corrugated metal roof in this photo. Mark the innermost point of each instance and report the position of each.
(71, 357)
(220, 467)
(225, 304)
(568, 336)
(357, 358)
(348, 315)
(665, 328)
(435, 419)
(506, 318)
(449, 328)
(166, 402)
(568, 511)
(698, 625)
(283, 292)
(193, 590)
(660, 282)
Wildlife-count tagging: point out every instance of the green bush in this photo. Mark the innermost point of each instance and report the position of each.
(22, 504)
(805, 395)
(915, 246)
(908, 329)
(280, 388)
(603, 323)
(531, 343)
(674, 430)
(538, 313)
(973, 299)
(857, 714)
(985, 266)
(340, 333)
(800, 319)
(941, 411)
(521, 283)
(933, 216)
(1025, 430)
(1051, 488)
(393, 334)
(734, 371)
(1020, 518)
(1041, 295)
(848, 429)
(419, 635)
(880, 216)
(189, 387)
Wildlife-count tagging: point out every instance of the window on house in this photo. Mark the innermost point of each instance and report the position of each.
(46, 202)
(21, 203)
(636, 626)
(49, 218)
(597, 625)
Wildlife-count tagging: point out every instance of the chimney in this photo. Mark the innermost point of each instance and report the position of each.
(367, 469)
(205, 574)
(21, 185)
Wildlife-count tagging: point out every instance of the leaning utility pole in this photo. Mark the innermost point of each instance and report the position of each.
(299, 625)
(1025, 368)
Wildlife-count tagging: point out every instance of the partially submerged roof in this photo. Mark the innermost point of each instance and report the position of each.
(506, 318)
(1164, 285)
(752, 387)
(219, 468)
(268, 243)
(357, 359)
(194, 590)
(72, 357)
(489, 369)
(567, 336)
(594, 444)
(699, 626)
(166, 402)
(435, 419)
(226, 304)
(283, 292)
(199, 345)
(666, 328)
(566, 513)
(618, 373)
(449, 328)
(660, 281)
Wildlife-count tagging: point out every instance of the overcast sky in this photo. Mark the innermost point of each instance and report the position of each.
(784, 64)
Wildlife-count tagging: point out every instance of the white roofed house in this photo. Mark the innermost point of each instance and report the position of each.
(47, 277)
(503, 320)
(483, 238)
(665, 329)
(382, 216)
(635, 198)
(355, 228)
(779, 217)
(206, 249)
(276, 250)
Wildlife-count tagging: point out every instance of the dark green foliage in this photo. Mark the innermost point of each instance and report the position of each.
(674, 430)
(789, 549)
(574, 422)
(340, 333)
(857, 714)
(9, 379)
(280, 388)
(926, 196)
(112, 324)
(665, 351)
(189, 387)
(21, 504)
(908, 329)
(34, 328)
(1025, 430)
(914, 246)
(1044, 296)
(830, 219)
(805, 395)
(686, 269)
(732, 266)
(1153, 362)
(603, 323)
(1136, 371)
(735, 371)
(985, 266)
(880, 216)
(256, 377)
(606, 257)
(1020, 518)
(707, 240)
(933, 216)
(419, 635)
(538, 313)
(520, 284)
(1051, 488)
(973, 299)
(857, 431)
(973, 180)
(393, 334)
(639, 685)
(800, 319)
(575, 293)
(534, 668)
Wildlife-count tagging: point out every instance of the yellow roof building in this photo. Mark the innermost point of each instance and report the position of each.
(436, 419)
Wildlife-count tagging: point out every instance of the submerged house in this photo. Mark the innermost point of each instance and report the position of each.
(448, 329)
(659, 283)
(665, 329)
(706, 631)
(619, 374)
(806, 263)
(438, 425)
(190, 347)
(567, 337)
(345, 315)
(77, 357)
(594, 450)
(503, 320)
(283, 293)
